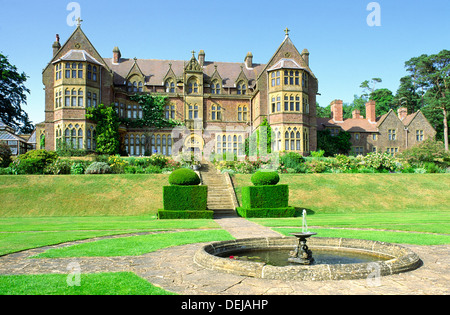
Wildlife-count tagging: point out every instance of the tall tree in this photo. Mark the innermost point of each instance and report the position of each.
(432, 74)
(12, 96)
(407, 95)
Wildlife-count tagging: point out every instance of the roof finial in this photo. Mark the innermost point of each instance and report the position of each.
(287, 32)
(79, 20)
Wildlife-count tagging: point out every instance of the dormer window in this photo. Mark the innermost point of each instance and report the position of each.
(241, 88)
(170, 86)
(215, 87)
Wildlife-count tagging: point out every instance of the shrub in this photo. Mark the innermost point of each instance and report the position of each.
(428, 151)
(117, 164)
(263, 178)
(98, 168)
(78, 168)
(59, 167)
(5, 154)
(185, 197)
(34, 162)
(268, 197)
(287, 212)
(184, 177)
(152, 169)
(291, 160)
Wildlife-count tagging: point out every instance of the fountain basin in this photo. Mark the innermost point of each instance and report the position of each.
(393, 259)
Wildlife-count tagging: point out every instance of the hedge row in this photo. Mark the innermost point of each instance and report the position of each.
(185, 197)
(286, 212)
(265, 197)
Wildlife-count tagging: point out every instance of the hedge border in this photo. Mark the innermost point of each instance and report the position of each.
(184, 198)
(286, 212)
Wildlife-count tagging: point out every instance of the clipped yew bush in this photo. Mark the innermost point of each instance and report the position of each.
(184, 177)
(262, 178)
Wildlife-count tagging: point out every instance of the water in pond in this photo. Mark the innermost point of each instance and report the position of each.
(279, 257)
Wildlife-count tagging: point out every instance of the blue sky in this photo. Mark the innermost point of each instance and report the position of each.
(344, 50)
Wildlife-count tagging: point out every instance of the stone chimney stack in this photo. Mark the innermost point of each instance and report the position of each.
(356, 114)
(249, 60)
(371, 115)
(305, 56)
(56, 46)
(201, 57)
(337, 110)
(402, 113)
(116, 55)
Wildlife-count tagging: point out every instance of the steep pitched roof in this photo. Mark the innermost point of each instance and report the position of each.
(78, 55)
(350, 125)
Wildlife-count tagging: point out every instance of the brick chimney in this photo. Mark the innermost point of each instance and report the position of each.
(371, 115)
(356, 114)
(402, 113)
(249, 60)
(337, 111)
(116, 55)
(56, 46)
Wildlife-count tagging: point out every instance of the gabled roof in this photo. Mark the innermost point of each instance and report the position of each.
(287, 42)
(350, 125)
(78, 32)
(78, 55)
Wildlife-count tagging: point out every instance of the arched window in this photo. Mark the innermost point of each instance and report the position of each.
(305, 140)
(241, 88)
(215, 87)
(192, 86)
(170, 86)
(80, 139)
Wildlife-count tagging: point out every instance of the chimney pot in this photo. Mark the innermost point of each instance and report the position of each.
(116, 55)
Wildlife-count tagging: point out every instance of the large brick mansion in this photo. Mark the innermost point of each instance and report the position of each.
(219, 103)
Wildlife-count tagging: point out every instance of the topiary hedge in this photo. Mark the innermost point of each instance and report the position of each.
(185, 197)
(262, 178)
(286, 212)
(265, 197)
(184, 215)
(184, 177)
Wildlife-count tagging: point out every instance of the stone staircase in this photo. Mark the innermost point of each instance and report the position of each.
(220, 198)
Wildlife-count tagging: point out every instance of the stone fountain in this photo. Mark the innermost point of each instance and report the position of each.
(302, 254)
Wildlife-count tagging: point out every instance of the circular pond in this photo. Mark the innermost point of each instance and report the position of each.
(334, 258)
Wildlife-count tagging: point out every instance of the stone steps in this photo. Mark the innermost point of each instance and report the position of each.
(219, 195)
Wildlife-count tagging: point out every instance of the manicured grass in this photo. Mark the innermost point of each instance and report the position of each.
(87, 195)
(364, 193)
(122, 283)
(136, 245)
(418, 221)
(381, 236)
(19, 234)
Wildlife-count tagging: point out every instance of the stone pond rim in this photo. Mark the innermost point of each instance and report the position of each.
(400, 259)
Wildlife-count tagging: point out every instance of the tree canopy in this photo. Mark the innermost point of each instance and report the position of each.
(13, 94)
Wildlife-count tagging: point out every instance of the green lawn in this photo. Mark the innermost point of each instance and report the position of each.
(121, 283)
(364, 193)
(37, 211)
(86, 195)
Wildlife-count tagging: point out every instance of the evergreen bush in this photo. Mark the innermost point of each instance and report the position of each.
(263, 178)
(184, 177)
